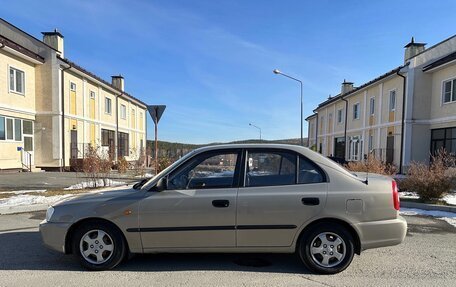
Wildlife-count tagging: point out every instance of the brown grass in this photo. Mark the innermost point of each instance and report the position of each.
(372, 165)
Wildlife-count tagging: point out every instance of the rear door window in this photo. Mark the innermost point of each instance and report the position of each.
(270, 168)
(309, 172)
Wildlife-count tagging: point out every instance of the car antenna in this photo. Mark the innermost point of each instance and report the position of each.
(366, 160)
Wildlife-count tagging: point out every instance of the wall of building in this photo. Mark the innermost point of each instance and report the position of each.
(15, 106)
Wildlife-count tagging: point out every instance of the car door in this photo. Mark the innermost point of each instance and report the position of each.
(281, 191)
(198, 208)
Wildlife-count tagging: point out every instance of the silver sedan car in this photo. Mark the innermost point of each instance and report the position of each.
(234, 198)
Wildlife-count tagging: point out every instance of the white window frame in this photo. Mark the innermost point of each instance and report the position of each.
(73, 86)
(341, 113)
(452, 91)
(13, 89)
(107, 99)
(372, 106)
(392, 109)
(356, 143)
(14, 130)
(92, 95)
(359, 111)
(123, 111)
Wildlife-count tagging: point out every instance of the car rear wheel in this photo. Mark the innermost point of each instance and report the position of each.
(326, 248)
(98, 246)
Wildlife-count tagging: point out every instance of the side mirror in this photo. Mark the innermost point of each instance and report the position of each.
(162, 184)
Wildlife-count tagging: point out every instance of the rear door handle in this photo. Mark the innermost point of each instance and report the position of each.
(220, 203)
(310, 201)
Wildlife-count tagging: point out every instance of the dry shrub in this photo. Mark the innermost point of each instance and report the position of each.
(372, 165)
(122, 165)
(96, 166)
(140, 164)
(163, 162)
(431, 182)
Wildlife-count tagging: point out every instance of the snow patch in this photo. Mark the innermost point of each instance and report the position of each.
(26, 191)
(27, 199)
(99, 183)
(449, 217)
(146, 175)
(449, 198)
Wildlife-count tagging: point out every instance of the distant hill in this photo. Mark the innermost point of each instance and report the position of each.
(175, 149)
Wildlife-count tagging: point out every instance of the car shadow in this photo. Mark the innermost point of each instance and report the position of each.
(24, 250)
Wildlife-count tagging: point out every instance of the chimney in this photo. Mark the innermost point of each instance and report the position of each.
(118, 82)
(412, 49)
(55, 40)
(346, 87)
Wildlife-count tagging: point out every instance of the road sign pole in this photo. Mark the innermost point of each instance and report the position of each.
(156, 111)
(156, 143)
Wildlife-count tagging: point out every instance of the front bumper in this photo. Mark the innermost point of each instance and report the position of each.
(53, 234)
(381, 233)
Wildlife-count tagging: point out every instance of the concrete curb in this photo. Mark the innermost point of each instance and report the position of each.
(426, 206)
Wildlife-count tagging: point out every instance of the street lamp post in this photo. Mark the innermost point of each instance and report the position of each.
(252, 125)
(277, 72)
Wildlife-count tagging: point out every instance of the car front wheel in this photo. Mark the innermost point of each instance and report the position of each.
(326, 248)
(98, 246)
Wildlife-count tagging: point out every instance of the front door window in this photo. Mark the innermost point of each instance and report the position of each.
(206, 171)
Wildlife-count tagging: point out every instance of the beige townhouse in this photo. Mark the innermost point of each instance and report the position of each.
(401, 116)
(52, 109)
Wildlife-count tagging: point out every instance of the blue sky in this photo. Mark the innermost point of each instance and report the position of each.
(211, 62)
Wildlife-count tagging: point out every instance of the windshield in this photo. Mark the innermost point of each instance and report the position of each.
(169, 168)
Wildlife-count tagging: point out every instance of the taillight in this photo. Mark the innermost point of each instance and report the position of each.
(395, 195)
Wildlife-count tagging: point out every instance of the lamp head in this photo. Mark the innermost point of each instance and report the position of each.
(276, 71)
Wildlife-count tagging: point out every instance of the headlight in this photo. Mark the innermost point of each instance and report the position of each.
(49, 213)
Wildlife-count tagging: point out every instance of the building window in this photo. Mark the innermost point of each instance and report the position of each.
(108, 140)
(92, 94)
(17, 130)
(355, 150)
(449, 91)
(322, 119)
(370, 143)
(122, 145)
(108, 106)
(9, 129)
(2, 128)
(340, 116)
(356, 111)
(443, 139)
(72, 87)
(372, 106)
(123, 112)
(392, 101)
(17, 81)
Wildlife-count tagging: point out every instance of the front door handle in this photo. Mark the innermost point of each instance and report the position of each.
(310, 201)
(220, 203)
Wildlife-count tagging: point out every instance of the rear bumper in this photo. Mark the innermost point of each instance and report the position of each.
(53, 234)
(381, 233)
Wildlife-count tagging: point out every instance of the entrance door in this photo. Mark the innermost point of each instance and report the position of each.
(389, 149)
(198, 208)
(28, 155)
(74, 144)
(339, 148)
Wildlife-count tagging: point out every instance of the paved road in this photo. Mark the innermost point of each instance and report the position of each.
(426, 258)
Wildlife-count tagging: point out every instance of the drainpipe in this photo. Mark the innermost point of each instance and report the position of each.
(404, 80)
(316, 133)
(63, 114)
(116, 140)
(345, 126)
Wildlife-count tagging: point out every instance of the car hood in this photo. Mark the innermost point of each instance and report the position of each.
(99, 196)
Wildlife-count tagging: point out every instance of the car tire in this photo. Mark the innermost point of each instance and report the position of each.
(326, 248)
(98, 246)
